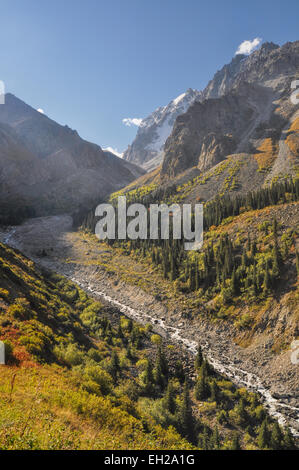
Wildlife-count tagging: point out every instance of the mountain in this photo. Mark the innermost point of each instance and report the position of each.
(247, 68)
(49, 167)
(268, 63)
(147, 148)
(240, 135)
(247, 103)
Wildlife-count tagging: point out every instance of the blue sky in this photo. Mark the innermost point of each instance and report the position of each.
(92, 63)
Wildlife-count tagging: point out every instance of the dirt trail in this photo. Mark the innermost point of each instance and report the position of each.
(51, 242)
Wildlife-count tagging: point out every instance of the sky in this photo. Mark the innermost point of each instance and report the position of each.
(93, 64)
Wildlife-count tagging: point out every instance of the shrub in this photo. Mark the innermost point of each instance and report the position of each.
(4, 294)
(71, 355)
(97, 379)
(156, 339)
(21, 309)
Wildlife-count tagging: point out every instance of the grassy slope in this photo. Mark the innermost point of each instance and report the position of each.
(46, 401)
(58, 390)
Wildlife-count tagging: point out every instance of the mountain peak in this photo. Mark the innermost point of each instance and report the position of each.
(269, 46)
(147, 148)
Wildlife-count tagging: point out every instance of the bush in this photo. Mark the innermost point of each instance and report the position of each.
(21, 309)
(71, 355)
(156, 339)
(94, 354)
(4, 294)
(97, 379)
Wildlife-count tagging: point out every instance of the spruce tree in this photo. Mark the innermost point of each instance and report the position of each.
(179, 372)
(159, 377)
(162, 361)
(202, 389)
(120, 332)
(215, 391)
(288, 440)
(185, 416)
(204, 439)
(276, 436)
(114, 365)
(198, 358)
(216, 441)
(169, 399)
(236, 442)
(263, 436)
(241, 410)
(149, 377)
(234, 283)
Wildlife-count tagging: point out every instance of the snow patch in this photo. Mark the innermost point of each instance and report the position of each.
(114, 151)
(179, 98)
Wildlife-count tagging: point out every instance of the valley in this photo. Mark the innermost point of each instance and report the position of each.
(109, 275)
(141, 343)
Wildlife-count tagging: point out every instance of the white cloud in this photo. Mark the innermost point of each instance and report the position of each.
(115, 151)
(40, 110)
(132, 122)
(246, 47)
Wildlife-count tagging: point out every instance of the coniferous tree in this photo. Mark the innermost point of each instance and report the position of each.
(149, 377)
(215, 391)
(276, 436)
(202, 387)
(114, 365)
(198, 358)
(120, 332)
(216, 441)
(236, 442)
(234, 283)
(263, 436)
(288, 440)
(162, 361)
(204, 439)
(185, 416)
(159, 377)
(241, 410)
(169, 399)
(179, 372)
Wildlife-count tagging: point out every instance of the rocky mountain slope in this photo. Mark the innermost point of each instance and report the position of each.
(265, 64)
(48, 168)
(241, 134)
(147, 148)
(245, 105)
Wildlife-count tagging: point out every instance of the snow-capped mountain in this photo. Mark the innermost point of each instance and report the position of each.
(147, 148)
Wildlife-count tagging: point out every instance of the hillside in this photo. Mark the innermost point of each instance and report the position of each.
(47, 168)
(70, 373)
(78, 374)
(239, 294)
